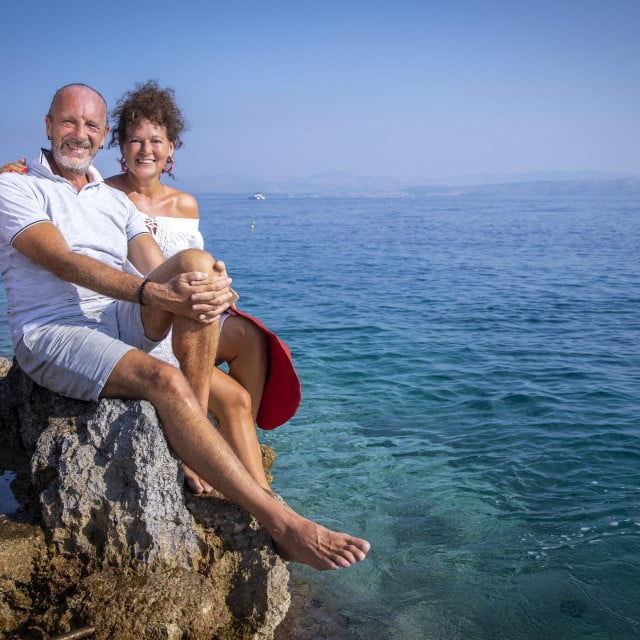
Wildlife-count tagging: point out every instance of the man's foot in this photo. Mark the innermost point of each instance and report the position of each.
(312, 544)
(195, 482)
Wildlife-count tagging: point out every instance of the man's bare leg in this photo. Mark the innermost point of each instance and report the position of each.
(192, 345)
(192, 341)
(189, 433)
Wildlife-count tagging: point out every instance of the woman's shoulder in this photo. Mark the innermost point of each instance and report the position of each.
(116, 181)
(177, 204)
(187, 205)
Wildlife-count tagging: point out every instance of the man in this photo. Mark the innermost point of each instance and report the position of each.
(81, 325)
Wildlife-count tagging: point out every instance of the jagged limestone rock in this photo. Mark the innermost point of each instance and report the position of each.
(111, 490)
(128, 551)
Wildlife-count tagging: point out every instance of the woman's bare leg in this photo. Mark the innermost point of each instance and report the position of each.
(244, 347)
(231, 404)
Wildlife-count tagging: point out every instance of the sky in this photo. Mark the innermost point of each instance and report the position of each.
(274, 91)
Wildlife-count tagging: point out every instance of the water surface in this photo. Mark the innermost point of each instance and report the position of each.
(470, 372)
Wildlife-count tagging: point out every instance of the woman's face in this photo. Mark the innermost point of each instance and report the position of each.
(146, 149)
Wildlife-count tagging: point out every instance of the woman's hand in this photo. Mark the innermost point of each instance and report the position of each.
(15, 167)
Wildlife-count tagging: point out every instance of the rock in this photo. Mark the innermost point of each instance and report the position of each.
(117, 543)
(22, 549)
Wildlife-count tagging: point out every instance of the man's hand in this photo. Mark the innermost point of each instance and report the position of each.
(217, 297)
(199, 296)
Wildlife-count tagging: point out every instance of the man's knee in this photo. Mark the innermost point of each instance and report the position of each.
(141, 376)
(194, 260)
(170, 380)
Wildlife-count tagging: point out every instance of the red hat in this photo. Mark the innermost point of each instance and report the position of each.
(282, 390)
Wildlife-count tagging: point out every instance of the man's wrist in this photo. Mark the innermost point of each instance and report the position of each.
(141, 291)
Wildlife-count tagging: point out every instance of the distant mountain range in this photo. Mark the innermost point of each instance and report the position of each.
(338, 184)
(596, 187)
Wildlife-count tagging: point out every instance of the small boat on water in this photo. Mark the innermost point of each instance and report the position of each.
(257, 196)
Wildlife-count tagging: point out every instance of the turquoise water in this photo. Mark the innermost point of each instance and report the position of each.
(470, 372)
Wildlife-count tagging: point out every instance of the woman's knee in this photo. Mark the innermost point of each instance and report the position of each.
(256, 337)
(242, 399)
(232, 396)
(241, 335)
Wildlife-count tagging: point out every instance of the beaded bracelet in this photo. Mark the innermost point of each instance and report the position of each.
(141, 291)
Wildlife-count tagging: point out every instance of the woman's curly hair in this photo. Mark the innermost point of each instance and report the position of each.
(148, 101)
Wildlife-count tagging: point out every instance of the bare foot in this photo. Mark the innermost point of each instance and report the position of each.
(195, 482)
(304, 541)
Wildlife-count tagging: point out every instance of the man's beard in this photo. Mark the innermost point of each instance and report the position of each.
(69, 162)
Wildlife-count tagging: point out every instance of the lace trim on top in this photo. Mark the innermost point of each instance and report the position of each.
(175, 234)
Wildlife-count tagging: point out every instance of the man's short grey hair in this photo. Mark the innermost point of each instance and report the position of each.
(84, 86)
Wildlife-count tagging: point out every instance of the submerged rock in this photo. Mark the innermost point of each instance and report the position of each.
(109, 538)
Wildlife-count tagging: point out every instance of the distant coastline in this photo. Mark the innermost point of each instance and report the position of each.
(341, 185)
(618, 187)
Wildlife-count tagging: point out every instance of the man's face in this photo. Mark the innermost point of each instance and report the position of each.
(77, 128)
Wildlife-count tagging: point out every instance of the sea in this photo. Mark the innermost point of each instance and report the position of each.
(470, 367)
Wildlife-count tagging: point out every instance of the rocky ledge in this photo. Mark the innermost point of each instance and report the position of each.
(106, 539)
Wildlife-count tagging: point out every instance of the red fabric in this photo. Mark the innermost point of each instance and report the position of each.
(282, 391)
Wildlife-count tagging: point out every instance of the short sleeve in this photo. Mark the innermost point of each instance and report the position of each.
(135, 222)
(20, 207)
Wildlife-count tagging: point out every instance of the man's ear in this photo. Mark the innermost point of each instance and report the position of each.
(104, 138)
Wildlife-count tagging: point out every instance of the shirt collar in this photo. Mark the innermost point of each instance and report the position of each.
(92, 173)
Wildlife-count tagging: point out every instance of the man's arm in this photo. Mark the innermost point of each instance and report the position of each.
(210, 296)
(44, 244)
(193, 294)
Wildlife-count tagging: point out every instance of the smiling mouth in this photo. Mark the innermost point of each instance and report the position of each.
(76, 149)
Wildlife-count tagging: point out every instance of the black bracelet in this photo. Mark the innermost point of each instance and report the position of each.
(141, 291)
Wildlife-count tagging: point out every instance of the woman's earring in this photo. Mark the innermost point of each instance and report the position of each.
(123, 166)
(168, 165)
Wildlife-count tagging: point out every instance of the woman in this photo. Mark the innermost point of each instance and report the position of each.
(262, 384)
